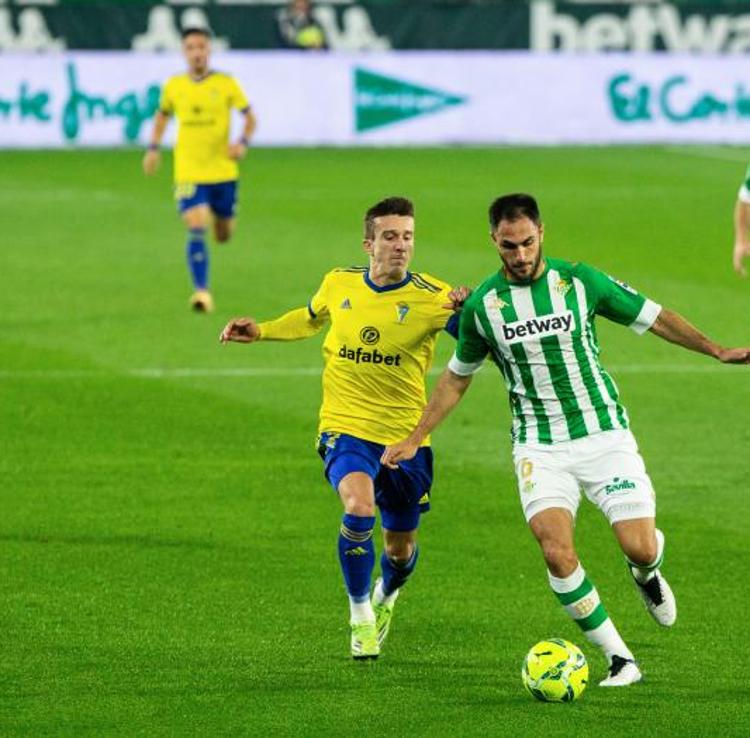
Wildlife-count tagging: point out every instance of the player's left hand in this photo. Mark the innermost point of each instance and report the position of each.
(457, 296)
(236, 151)
(401, 451)
(734, 356)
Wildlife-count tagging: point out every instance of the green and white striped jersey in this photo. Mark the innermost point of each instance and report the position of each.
(543, 339)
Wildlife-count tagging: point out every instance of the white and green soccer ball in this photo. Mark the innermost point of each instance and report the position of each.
(555, 671)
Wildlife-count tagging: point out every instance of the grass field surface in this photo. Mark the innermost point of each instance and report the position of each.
(168, 544)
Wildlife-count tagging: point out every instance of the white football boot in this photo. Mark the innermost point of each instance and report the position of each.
(622, 672)
(655, 592)
(658, 598)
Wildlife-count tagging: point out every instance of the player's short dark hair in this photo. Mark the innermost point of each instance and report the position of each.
(389, 206)
(512, 207)
(195, 29)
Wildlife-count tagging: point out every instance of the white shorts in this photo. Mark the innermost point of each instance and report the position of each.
(606, 467)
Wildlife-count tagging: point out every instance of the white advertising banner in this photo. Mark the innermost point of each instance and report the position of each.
(421, 98)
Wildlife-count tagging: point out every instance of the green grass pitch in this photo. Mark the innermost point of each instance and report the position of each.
(167, 542)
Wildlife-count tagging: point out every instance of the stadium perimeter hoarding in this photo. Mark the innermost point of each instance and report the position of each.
(411, 98)
(696, 26)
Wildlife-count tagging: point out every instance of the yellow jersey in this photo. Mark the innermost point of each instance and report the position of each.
(203, 109)
(379, 346)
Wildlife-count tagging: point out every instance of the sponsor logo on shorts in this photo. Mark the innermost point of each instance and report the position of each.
(362, 356)
(533, 328)
(618, 485)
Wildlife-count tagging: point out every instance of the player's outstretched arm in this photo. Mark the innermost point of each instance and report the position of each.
(291, 326)
(674, 328)
(741, 242)
(446, 395)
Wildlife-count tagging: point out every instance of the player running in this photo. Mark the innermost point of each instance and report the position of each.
(742, 226)
(535, 318)
(383, 324)
(205, 163)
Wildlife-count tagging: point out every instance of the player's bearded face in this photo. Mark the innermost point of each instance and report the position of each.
(519, 243)
(392, 245)
(196, 48)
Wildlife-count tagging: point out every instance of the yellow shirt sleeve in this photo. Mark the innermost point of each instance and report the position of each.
(166, 100)
(291, 326)
(301, 322)
(237, 98)
(318, 305)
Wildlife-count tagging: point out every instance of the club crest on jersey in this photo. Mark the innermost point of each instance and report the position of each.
(401, 310)
(540, 326)
(346, 305)
(562, 287)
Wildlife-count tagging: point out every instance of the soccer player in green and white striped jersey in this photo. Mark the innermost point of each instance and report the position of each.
(535, 319)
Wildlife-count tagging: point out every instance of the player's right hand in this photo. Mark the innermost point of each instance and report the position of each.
(741, 252)
(151, 161)
(401, 451)
(241, 330)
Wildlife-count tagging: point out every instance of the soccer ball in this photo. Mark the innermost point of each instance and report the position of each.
(555, 671)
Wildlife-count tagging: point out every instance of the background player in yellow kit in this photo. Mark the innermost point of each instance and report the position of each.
(384, 322)
(205, 163)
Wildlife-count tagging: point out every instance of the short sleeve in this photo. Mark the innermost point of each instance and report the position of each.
(618, 301)
(471, 348)
(166, 99)
(237, 98)
(318, 305)
(744, 194)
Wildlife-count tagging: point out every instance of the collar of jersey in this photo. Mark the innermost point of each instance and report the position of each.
(387, 287)
(208, 74)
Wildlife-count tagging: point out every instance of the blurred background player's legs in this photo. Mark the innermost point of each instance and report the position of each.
(196, 215)
(223, 202)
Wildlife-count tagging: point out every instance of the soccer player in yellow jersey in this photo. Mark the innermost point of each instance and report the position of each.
(205, 163)
(383, 324)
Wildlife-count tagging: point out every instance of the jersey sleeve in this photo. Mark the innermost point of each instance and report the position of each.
(471, 348)
(166, 99)
(237, 98)
(744, 194)
(317, 307)
(618, 301)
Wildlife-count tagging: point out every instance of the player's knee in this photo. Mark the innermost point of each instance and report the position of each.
(560, 557)
(359, 507)
(222, 236)
(642, 551)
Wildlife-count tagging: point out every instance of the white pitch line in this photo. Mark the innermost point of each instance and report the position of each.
(309, 371)
(709, 152)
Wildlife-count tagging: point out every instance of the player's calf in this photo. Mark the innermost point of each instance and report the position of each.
(223, 229)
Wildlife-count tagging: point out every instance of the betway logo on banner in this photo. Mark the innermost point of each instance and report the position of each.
(380, 100)
(643, 28)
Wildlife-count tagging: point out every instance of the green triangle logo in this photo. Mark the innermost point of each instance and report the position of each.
(380, 101)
